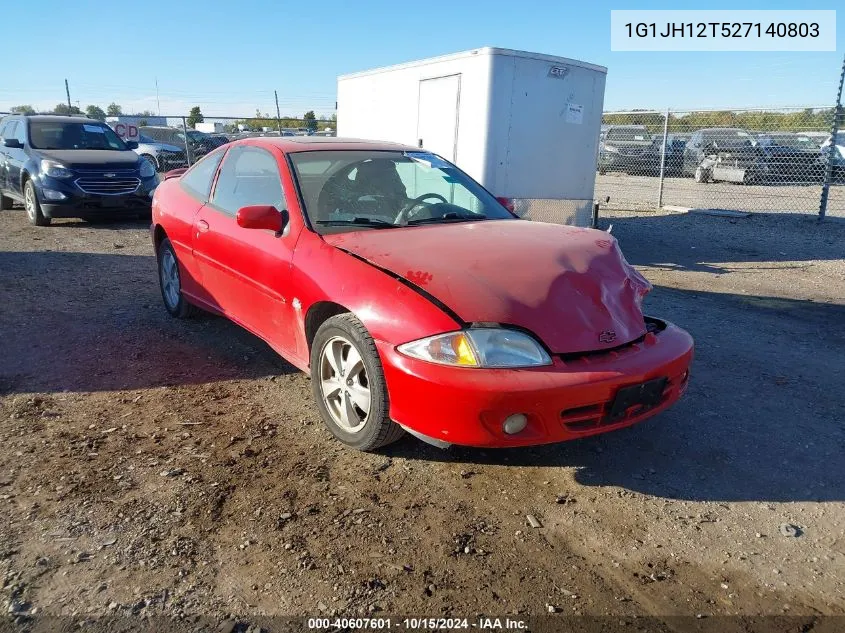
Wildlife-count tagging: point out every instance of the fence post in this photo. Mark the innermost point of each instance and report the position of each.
(663, 159)
(187, 145)
(831, 150)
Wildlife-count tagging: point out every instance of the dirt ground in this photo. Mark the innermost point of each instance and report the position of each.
(151, 467)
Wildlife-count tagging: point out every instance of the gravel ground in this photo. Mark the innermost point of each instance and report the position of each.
(641, 192)
(154, 468)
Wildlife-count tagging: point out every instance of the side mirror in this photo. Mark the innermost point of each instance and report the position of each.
(175, 173)
(507, 203)
(131, 144)
(13, 143)
(262, 216)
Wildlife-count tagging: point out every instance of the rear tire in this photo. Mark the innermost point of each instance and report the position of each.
(33, 207)
(170, 282)
(348, 384)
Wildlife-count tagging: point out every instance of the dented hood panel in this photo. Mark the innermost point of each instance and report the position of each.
(570, 286)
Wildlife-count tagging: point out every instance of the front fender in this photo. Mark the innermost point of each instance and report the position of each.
(391, 309)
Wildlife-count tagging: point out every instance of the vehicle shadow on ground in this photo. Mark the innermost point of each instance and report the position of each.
(763, 418)
(698, 242)
(95, 322)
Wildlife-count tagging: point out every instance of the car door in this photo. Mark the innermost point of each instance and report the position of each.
(3, 152)
(691, 152)
(15, 158)
(247, 271)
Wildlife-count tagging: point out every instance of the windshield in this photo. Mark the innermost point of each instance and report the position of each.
(793, 141)
(628, 134)
(73, 135)
(729, 138)
(145, 139)
(353, 190)
(195, 136)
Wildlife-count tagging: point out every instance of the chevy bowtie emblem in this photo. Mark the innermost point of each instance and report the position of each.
(109, 175)
(607, 336)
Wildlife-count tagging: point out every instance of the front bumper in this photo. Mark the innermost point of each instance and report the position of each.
(565, 401)
(80, 204)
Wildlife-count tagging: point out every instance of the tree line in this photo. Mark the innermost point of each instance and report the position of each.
(756, 121)
(309, 120)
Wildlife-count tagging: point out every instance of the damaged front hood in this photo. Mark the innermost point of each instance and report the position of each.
(569, 286)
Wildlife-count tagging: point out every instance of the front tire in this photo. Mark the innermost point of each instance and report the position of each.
(702, 174)
(33, 207)
(348, 384)
(170, 282)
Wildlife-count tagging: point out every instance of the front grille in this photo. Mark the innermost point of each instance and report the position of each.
(113, 186)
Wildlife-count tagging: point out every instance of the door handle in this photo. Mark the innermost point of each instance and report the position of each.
(202, 226)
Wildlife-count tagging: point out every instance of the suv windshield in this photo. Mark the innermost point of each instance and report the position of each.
(793, 141)
(73, 135)
(628, 134)
(351, 190)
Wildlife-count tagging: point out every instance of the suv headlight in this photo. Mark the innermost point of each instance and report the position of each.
(479, 347)
(147, 169)
(55, 170)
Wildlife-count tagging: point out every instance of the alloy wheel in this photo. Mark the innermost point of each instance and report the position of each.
(344, 385)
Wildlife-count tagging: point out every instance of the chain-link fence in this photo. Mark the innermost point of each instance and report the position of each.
(173, 142)
(748, 160)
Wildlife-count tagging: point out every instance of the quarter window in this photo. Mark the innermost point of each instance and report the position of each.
(197, 180)
(249, 176)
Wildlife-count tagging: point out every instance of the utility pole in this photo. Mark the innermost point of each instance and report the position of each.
(67, 91)
(278, 113)
(158, 103)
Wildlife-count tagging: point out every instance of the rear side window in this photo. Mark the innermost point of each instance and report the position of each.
(197, 180)
(249, 176)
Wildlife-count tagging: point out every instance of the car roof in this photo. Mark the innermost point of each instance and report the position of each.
(58, 118)
(292, 144)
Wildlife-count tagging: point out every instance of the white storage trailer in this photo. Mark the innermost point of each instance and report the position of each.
(525, 125)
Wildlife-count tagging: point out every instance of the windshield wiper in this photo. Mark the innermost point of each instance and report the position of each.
(449, 217)
(371, 222)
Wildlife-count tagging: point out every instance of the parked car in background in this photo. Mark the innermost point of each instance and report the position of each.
(71, 167)
(416, 300)
(160, 155)
(628, 148)
(836, 158)
(674, 160)
(818, 137)
(790, 157)
(199, 143)
(723, 154)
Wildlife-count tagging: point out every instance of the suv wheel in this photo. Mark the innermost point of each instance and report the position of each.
(32, 206)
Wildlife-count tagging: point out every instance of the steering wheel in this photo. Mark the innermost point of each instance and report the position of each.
(405, 213)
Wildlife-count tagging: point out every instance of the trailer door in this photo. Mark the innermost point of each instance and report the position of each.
(437, 118)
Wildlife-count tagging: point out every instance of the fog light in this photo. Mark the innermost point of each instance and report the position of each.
(515, 423)
(52, 194)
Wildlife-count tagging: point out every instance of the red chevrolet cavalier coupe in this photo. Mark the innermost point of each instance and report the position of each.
(416, 299)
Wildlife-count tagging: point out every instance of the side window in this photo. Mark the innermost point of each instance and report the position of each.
(3, 125)
(249, 176)
(20, 132)
(197, 180)
(9, 129)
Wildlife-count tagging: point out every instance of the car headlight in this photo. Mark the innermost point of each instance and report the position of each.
(55, 170)
(147, 169)
(479, 347)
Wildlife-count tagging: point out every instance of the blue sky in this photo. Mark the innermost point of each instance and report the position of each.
(228, 57)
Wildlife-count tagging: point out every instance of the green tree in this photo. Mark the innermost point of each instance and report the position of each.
(95, 112)
(114, 110)
(310, 120)
(195, 117)
(63, 108)
(22, 109)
